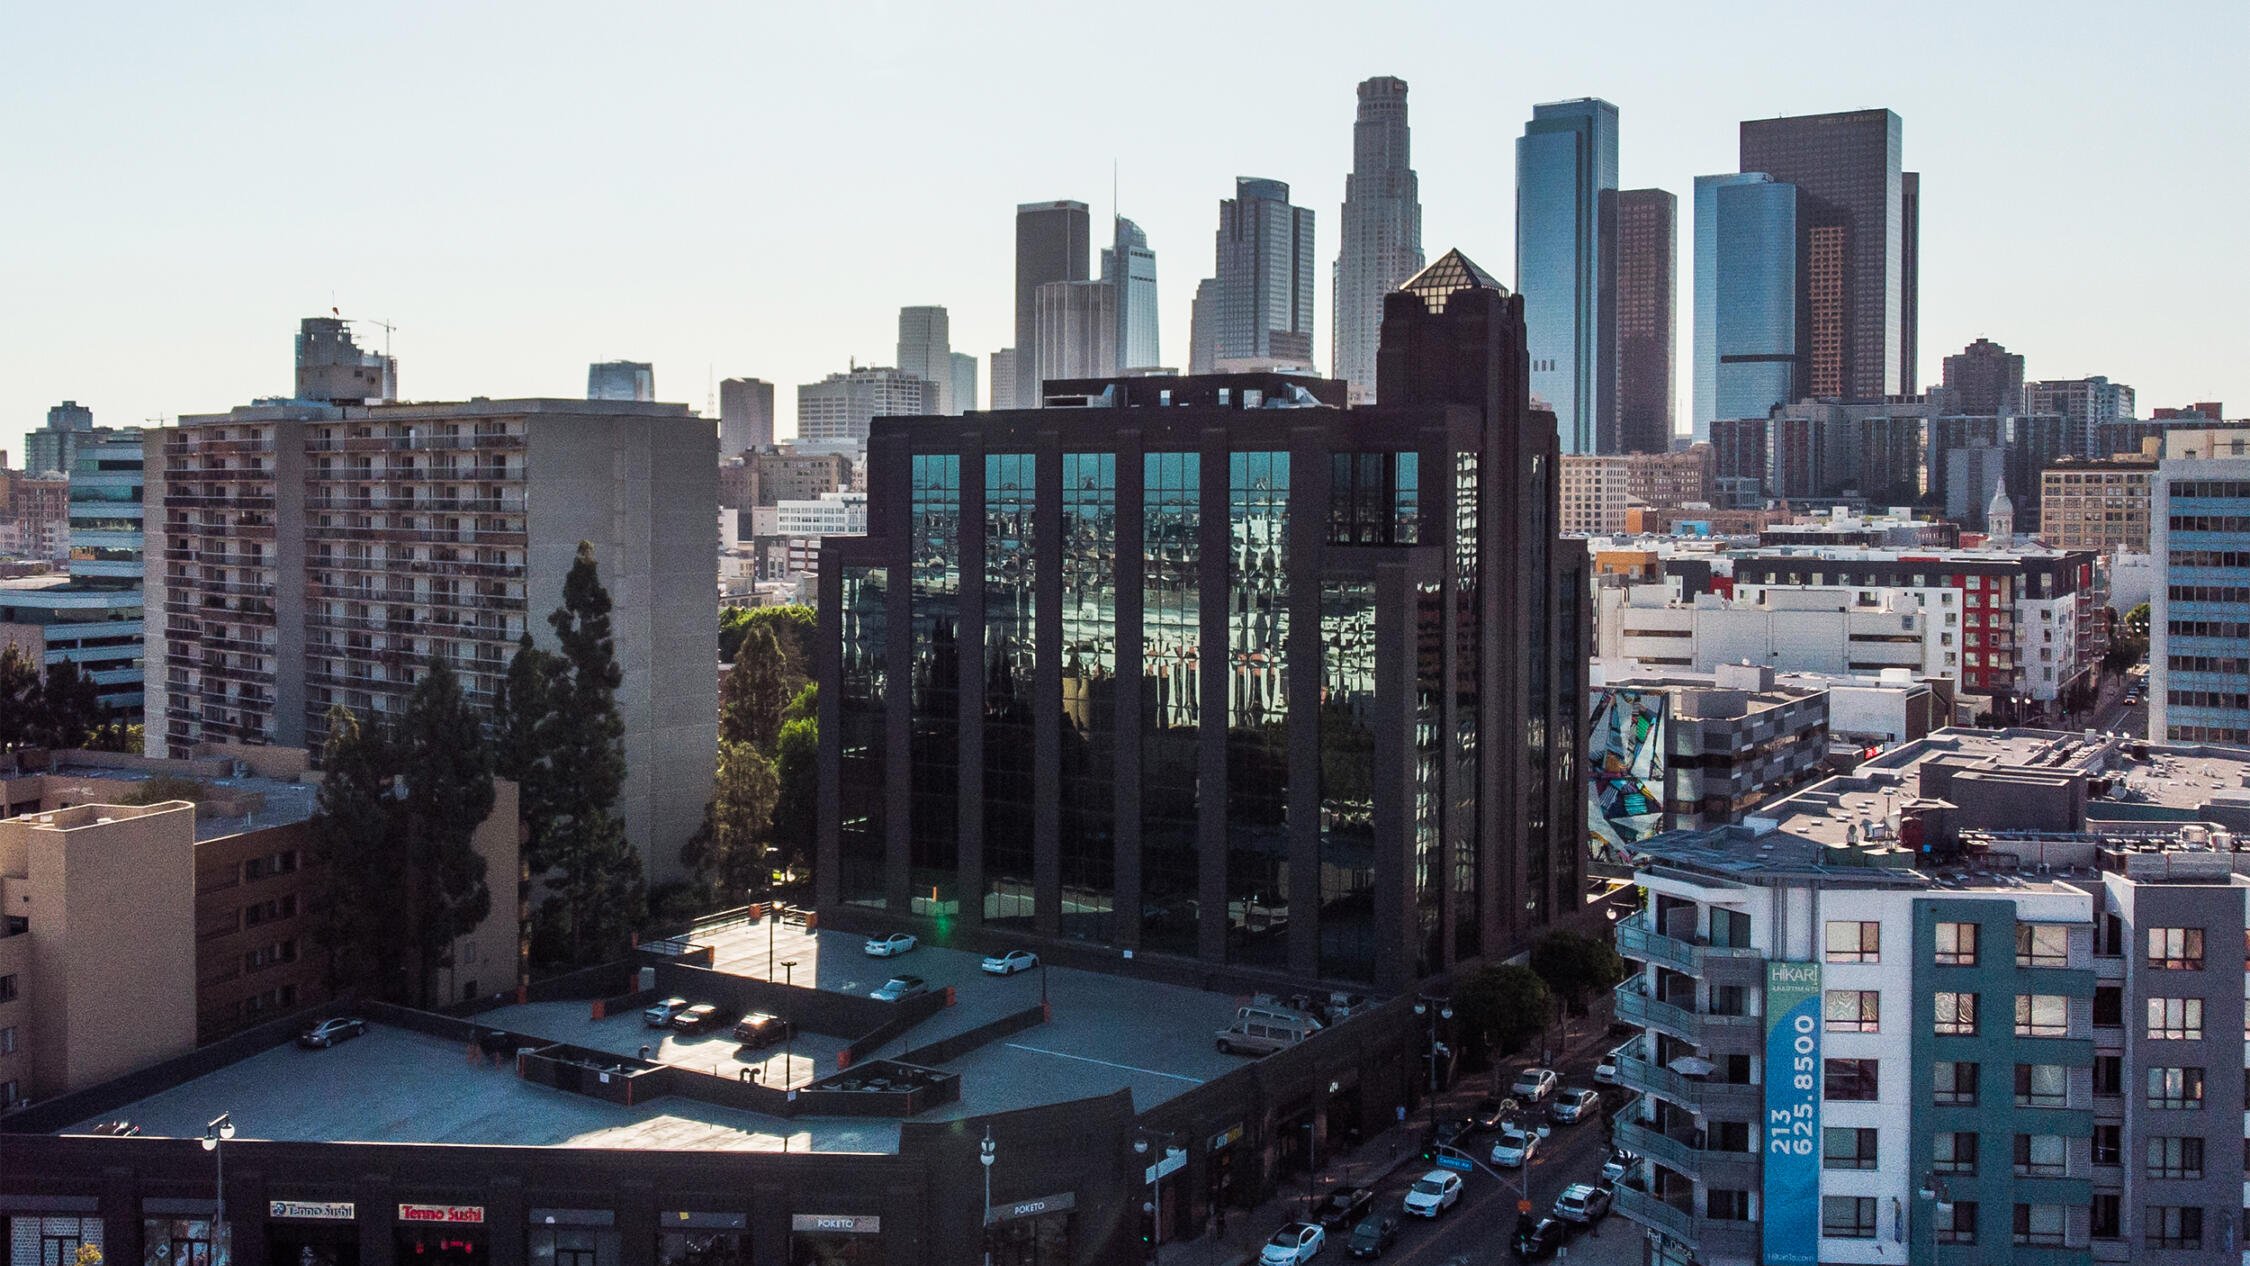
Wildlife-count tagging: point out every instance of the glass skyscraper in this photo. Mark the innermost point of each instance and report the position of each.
(1703, 350)
(1566, 185)
(1381, 231)
(1264, 297)
(1755, 313)
(1130, 266)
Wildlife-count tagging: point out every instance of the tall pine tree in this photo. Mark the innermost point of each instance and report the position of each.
(361, 902)
(598, 870)
(757, 689)
(519, 722)
(448, 794)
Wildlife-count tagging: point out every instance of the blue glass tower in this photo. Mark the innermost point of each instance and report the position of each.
(1704, 349)
(1566, 185)
(1755, 326)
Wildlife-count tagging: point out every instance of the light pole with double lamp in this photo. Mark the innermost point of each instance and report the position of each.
(219, 1131)
(1154, 1204)
(985, 1157)
(1939, 1198)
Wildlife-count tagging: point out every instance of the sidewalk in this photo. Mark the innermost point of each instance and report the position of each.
(1377, 1157)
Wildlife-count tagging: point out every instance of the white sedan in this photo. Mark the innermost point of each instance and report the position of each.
(1010, 963)
(1292, 1244)
(891, 946)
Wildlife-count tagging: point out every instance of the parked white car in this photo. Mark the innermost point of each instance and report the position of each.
(1533, 1085)
(1010, 963)
(1294, 1243)
(1514, 1147)
(662, 1014)
(891, 946)
(1433, 1193)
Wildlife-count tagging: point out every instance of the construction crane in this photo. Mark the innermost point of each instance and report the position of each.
(387, 328)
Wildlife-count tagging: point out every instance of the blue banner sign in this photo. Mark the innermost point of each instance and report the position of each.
(1451, 1158)
(1792, 1148)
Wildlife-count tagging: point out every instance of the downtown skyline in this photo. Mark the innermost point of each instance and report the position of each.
(509, 261)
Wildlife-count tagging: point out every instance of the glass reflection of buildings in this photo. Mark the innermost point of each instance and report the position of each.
(1337, 800)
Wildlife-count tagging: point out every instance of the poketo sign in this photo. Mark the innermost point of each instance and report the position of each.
(456, 1214)
(1792, 1138)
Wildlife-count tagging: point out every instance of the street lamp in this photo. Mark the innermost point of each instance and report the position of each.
(985, 1157)
(219, 1131)
(1436, 1009)
(1141, 1148)
(789, 972)
(1939, 1197)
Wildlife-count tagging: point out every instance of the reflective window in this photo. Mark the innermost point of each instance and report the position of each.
(1010, 677)
(1468, 691)
(1171, 691)
(935, 610)
(1089, 694)
(863, 626)
(1347, 787)
(1257, 802)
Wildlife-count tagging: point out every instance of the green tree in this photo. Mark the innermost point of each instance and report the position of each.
(520, 713)
(2136, 621)
(1576, 966)
(1500, 1008)
(597, 871)
(447, 769)
(727, 853)
(360, 903)
(67, 708)
(796, 767)
(19, 697)
(757, 689)
(732, 622)
(796, 627)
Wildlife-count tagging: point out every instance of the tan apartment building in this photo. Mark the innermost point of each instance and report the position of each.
(1594, 496)
(206, 907)
(306, 555)
(1669, 480)
(2096, 505)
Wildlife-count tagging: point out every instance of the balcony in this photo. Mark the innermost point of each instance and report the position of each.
(1708, 1237)
(1727, 1170)
(1637, 938)
(1722, 1034)
(1725, 1099)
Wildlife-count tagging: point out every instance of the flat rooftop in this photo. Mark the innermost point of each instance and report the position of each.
(1108, 1032)
(270, 802)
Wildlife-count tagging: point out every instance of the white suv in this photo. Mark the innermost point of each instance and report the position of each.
(1433, 1193)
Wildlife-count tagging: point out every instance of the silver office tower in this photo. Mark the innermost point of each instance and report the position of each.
(925, 350)
(1750, 328)
(1566, 209)
(1130, 266)
(1382, 232)
(1051, 245)
(1263, 309)
(1703, 350)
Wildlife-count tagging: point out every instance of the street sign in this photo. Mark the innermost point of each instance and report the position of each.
(1451, 1158)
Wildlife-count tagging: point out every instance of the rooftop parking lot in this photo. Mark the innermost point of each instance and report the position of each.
(392, 1086)
(803, 1058)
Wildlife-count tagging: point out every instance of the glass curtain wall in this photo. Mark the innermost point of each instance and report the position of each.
(1171, 690)
(1089, 695)
(1347, 787)
(864, 629)
(935, 760)
(1010, 676)
(1468, 698)
(1258, 708)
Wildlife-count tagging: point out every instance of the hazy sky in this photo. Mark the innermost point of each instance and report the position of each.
(755, 189)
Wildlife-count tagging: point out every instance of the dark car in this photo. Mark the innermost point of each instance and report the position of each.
(331, 1031)
(1455, 1130)
(758, 1029)
(1345, 1208)
(700, 1018)
(1374, 1236)
(1489, 1113)
(1541, 1241)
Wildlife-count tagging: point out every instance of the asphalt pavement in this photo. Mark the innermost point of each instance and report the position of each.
(1480, 1229)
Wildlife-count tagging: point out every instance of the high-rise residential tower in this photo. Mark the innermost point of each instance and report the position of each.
(1983, 379)
(1051, 245)
(2087, 403)
(1862, 269)
(1647, 231)
(1566, 185)
(621, 380)
(745, 415)
(52, 447)
(838, 408)
(1381, 231)
(925, 350)
(1264, 307)
(1130, 266)
(332, 369)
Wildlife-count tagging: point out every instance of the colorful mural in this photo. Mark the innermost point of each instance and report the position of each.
(1625, 771)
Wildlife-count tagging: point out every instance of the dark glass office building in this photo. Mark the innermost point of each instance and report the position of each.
(1215, 668)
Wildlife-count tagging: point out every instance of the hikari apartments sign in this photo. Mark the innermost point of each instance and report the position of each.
(1792, 1151)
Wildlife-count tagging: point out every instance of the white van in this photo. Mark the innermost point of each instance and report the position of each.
(1264, 1034)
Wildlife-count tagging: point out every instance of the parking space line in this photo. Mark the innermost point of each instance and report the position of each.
(1088, 1059)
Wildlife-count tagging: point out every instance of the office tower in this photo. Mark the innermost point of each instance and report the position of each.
(1134, 640)
(332, 369)
(1983, 379)
(1754, 350)
(1051, 245)
(1703, 347)
(1077, 330)
(2199, 616)
(1203, 328)
(93, 616)
(839, 407)
(315, 555)
(621, 380)
(1862, 259)
(925, 350)
(1647, 228)
(1263, 307)
(2088, 404)
(2097, 505)
(1566, 182)
(1004, 378)
(1910, 282)
(1381, 230)
(964, 367)
(1130, 266)
(745, 415)
(52, 448)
